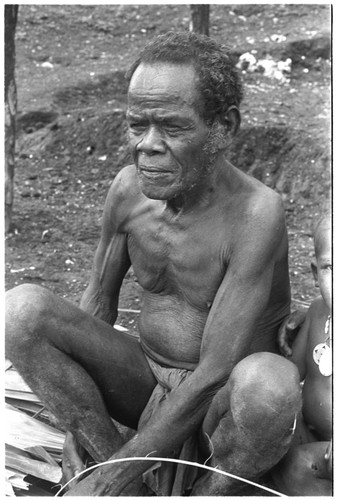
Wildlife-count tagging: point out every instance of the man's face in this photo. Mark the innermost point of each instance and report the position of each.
(166, 133)
(324, 267)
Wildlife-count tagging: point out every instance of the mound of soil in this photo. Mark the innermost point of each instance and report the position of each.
(71, 138)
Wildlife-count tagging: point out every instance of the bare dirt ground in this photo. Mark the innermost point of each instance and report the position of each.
(71, 133)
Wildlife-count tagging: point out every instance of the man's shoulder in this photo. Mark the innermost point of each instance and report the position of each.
(260, 217)
(264, 204)
(125, 180)
(124, 187)
(123, 195)
(254, 194)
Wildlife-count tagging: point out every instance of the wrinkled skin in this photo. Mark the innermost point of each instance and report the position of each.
(208, 245)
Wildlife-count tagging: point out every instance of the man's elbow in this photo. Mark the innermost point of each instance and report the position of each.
(89, 299)
(95, 303)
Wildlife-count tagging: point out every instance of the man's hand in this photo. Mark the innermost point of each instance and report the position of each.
(288, 331)
(73, 459)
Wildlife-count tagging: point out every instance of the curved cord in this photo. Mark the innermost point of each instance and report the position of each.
(175, 460)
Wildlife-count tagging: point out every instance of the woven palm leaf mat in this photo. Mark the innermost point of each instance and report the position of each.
(33, 446)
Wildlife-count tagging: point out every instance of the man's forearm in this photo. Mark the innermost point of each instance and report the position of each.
(178, 417)
(97, 304)
(112, 479)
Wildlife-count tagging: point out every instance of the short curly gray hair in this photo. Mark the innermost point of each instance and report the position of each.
(219, 81)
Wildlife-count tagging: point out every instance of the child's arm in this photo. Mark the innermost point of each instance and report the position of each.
(298, 355)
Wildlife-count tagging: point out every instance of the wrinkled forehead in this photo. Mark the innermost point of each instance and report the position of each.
(176, 83)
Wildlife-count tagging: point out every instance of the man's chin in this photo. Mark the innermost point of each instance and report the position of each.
(155, 192)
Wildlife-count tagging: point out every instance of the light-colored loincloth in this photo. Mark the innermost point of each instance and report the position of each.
(170, 479)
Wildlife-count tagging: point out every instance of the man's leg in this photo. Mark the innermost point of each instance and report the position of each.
(82, 369)
(251, 422)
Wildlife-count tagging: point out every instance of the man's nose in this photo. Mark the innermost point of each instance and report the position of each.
(151, 142)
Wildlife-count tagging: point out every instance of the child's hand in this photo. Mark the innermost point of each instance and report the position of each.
(288, 331)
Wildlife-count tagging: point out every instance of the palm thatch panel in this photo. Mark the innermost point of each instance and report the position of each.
(33, 446)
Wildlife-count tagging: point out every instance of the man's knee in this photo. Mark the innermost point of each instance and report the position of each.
(266, 375)
(28, 307)
(251, 421)
(265, 392)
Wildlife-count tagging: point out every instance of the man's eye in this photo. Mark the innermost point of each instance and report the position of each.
(172, 129)
(137, 127)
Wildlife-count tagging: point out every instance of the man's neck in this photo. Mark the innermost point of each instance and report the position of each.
(190, 200)
(203, 194)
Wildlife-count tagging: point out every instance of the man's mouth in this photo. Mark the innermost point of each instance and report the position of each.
(151, 171)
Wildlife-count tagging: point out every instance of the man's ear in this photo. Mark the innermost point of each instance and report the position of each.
(231, 120)
(314, 272)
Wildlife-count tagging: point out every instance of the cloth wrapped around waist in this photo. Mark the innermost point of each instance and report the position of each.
(170, 479)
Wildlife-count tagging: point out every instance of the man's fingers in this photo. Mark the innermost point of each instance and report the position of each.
(69, 471)
(72, 462)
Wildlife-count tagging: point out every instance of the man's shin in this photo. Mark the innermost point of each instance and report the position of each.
(257, 429)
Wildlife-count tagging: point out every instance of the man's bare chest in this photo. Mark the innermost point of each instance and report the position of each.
(168, 258)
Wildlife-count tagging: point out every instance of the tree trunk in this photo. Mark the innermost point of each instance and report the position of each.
(11, 14)
(200, 19)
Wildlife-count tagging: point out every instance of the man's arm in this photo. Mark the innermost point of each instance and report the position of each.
(111, 260)
(238, 305)
(245, 290)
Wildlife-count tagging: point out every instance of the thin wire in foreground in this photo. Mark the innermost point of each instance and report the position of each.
(175, 460)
